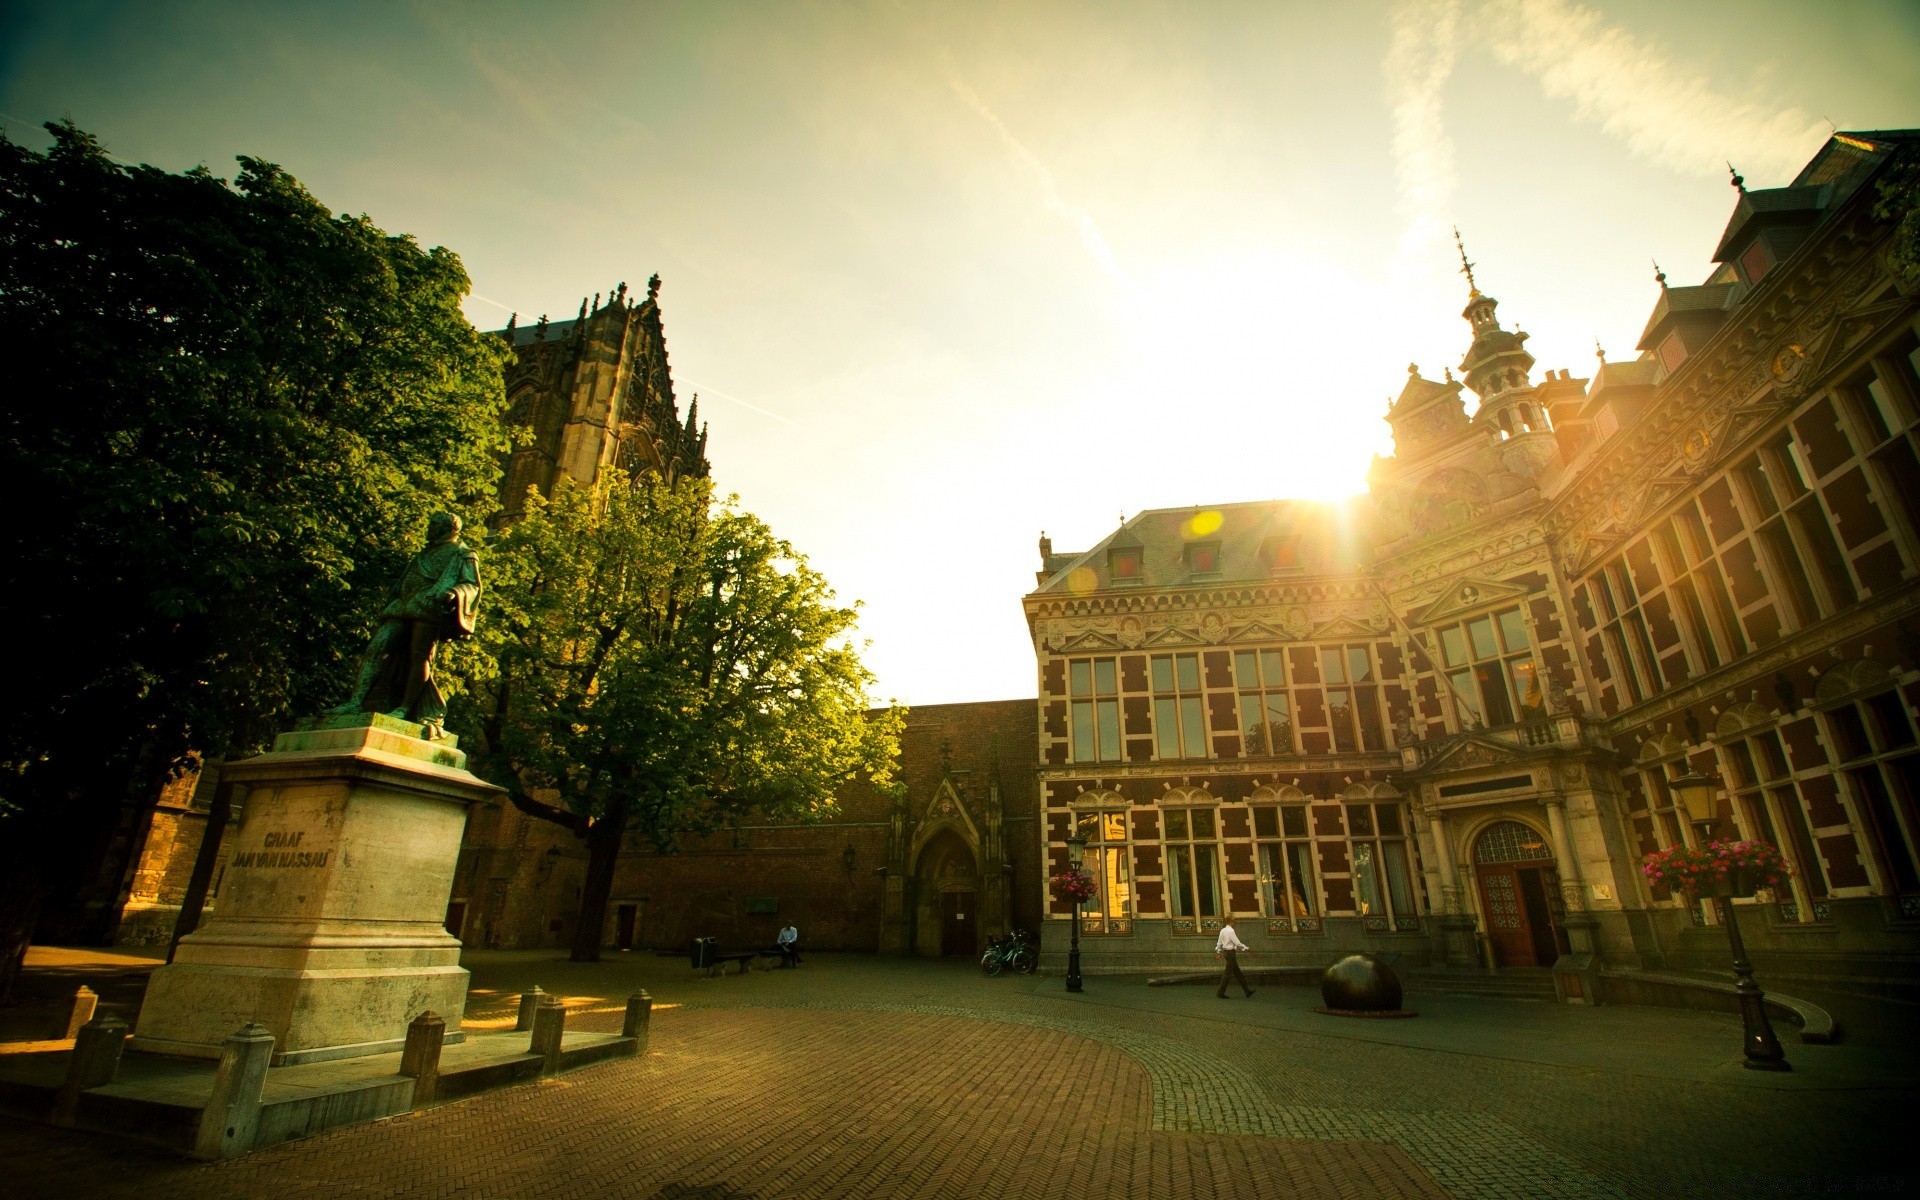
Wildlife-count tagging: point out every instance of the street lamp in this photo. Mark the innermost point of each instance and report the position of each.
(1695, 792)
(1076, 846)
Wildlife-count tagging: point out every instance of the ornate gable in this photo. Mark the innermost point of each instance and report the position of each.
(1468, 595)
(1472, 750)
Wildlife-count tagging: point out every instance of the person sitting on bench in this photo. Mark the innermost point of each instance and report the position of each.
(787, 944)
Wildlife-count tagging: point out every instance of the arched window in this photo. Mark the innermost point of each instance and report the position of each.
(1511, 842)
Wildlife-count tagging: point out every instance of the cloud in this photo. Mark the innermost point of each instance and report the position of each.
(1419, 60)
(1079, 218)
(1662, 111)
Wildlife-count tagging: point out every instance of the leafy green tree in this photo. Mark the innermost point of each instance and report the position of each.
(652, 663)
(229, 415)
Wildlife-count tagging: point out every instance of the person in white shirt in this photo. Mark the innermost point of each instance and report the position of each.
(1228, 947)
(788, 945)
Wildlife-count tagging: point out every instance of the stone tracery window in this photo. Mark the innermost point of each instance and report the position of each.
(1266, 713)
(1192, 847)
(1489, 664)
(1289, 892)
(1106, 858)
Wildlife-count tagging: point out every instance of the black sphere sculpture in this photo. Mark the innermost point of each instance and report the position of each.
(1361, 984)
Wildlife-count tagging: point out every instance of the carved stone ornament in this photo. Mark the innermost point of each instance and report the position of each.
(1698, 446)
(1788, 362)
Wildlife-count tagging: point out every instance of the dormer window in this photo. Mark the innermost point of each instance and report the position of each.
(1203, 558)
(1123, 563)
(1281, 553)
(1672, 353)
(1754, 261)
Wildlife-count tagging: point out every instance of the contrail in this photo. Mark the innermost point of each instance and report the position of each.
(1079, 218)
(1419, 61)
(1662, 111)
(701, 390)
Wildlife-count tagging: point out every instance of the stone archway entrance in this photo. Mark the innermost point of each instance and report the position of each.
(949, 886)
(1519, 894)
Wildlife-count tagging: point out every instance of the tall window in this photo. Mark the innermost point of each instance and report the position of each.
(1179, 718)
(1110, 908)
(1874, 740)
(1768, 804)
(1382, 879)
(1287, 887)
(1093, 684)
(1795, 532)
(1266, 717)
(1193, 868)
(1353, 697)
(1490, 666)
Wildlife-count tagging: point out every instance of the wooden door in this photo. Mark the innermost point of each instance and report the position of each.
(1536, 885)
(623, 925)
(957, 921)
(1508, 929)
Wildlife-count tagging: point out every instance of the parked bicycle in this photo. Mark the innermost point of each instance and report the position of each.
(1014, 952)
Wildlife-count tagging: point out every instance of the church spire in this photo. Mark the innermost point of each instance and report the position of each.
(1466, 265)
(1497, 362)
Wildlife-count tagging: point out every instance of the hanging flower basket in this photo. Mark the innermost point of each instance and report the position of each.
(1073, 885)
(1723, 869)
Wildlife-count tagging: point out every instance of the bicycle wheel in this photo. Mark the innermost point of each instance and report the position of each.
(990, 963)
(1026, 962)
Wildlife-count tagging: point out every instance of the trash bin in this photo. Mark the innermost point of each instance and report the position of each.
(703, 952)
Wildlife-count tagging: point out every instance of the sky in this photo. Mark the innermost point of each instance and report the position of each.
(946, 275)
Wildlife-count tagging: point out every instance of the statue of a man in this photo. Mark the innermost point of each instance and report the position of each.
(434, 601)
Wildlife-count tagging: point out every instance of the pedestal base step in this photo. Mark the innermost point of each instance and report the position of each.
(159, 1098)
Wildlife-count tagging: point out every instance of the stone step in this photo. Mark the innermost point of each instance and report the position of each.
(1518, 983)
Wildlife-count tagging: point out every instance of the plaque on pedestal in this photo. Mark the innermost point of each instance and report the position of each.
(328, 926)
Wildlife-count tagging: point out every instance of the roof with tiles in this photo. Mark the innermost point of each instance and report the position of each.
(1250, 541)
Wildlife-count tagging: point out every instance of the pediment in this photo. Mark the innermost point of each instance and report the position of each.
(1345, 627)
(1468, 595)
(1092, 641)
(1472, 750)
(1259, 631)
(1848, 331)
(1174, 637)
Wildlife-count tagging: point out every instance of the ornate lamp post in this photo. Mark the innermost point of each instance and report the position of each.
(1695, 792)
(1076, 846)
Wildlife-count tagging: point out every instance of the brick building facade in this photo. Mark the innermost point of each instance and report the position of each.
(1440, 719)
(924, 868)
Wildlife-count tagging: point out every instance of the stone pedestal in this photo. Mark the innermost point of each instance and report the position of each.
(329, 926)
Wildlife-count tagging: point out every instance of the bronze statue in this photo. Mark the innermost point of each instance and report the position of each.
(434, 601)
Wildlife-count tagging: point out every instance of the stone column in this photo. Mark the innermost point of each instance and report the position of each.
(639, 1019)
(1573, 888)
(549, 1028)
(95, 1061)
(529, 1004)
(1443, 857)
(421, 1058)
(84, 1002)
(231, 1118)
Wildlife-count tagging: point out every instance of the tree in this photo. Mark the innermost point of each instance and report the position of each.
(230, 414)
(653, 664)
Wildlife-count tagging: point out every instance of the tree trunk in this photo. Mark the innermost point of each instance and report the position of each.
(201, 881)
(19, 913)
(604, 837)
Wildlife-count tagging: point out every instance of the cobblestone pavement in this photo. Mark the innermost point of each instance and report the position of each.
(863, 1077)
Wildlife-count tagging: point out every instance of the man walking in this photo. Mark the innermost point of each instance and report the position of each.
(1229, 947)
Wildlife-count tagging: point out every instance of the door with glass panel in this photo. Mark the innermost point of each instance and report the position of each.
(1518, 884)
